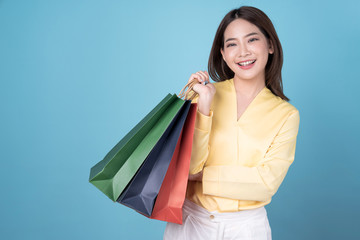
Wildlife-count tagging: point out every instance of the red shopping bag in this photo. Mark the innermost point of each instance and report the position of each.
(170, 200)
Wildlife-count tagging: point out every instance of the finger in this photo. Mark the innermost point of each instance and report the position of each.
(198, 77)
(195, 76)
(201, 77)
(204, 75)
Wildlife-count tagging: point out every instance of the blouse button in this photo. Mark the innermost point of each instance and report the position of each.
(212, 217)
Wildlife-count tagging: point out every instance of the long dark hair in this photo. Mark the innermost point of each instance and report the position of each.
(217, 67)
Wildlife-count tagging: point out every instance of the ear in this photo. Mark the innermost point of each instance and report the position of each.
(222, 53)
(271, 47)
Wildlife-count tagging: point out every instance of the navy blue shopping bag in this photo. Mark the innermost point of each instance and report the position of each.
(140, 194)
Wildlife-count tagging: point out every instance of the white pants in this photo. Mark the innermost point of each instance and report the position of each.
(198, 224)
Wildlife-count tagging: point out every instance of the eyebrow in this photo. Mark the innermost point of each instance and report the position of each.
(250, 34)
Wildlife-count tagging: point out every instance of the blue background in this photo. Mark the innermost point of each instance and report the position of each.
(76, 76)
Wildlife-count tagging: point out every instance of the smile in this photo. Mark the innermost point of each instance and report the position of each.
(246, 63)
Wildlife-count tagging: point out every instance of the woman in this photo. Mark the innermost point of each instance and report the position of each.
(245, 133)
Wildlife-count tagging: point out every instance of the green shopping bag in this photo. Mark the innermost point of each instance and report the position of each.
(112, 174)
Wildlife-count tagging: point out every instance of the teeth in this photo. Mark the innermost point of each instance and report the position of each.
(246, 63)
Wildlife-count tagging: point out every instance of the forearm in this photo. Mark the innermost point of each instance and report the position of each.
(201, 148)
(203, 105)
(243, 183)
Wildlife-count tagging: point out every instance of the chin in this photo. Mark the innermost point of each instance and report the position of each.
(248, 75)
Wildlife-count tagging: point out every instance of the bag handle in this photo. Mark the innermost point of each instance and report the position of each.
(189, 87)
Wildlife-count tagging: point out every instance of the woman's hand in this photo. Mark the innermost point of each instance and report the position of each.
(206, 92)
(196, 177)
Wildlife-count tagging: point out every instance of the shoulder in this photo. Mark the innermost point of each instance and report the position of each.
(223, 85)
(286, 105)
(277, 113)
(223, 89)
(285, 109)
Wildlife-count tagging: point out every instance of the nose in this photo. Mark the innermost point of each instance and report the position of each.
(243, 51)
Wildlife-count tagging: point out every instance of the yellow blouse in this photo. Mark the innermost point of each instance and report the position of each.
(243, 161)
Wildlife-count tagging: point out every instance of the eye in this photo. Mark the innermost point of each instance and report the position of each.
(253, 39)
(231, 44)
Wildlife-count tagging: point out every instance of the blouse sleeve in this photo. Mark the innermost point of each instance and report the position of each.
(200, 148)
(261, 182)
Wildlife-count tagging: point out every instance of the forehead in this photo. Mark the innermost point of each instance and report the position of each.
(239, 28)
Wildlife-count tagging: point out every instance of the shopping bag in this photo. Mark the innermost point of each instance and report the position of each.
(112, 174)
(170, 200)
(141, 192)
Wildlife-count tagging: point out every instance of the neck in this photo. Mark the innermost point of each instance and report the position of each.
(247, 88)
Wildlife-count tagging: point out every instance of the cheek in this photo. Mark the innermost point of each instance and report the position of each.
(261, 50)
(229, 54)
(259, 46)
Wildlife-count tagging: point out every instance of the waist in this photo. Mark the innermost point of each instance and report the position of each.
(191, 208)
(213, 203)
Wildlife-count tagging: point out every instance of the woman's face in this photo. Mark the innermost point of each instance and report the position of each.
(244, 43)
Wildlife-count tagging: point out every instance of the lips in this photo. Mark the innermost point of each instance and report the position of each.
(246, 62)
(245, 65)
